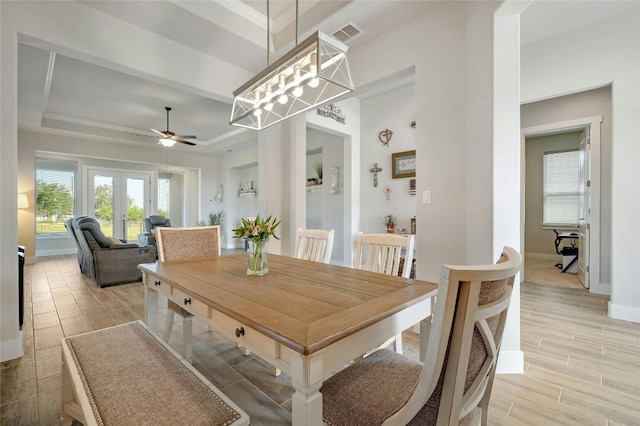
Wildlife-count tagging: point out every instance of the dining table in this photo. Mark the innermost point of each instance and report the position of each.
(308, 319)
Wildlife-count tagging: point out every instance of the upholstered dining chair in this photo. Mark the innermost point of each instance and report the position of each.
(453, 384)
(177, 244)
(382, 253)
(314, 244)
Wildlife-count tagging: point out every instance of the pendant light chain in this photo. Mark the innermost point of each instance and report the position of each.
(268, 33)
(296, 22)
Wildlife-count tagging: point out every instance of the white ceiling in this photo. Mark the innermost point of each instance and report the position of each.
(60, 94)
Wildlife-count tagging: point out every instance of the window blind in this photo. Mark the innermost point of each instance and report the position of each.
(55, 194)
(561, 185)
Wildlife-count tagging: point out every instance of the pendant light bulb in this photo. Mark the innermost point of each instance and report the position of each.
(283, 98)
(297, 83)
(313, 71)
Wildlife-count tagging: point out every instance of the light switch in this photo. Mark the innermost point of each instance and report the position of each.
(426, 197)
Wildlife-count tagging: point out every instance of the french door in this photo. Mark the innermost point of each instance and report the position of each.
(119, 200)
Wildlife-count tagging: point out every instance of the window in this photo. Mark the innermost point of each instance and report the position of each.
(171, 197)
(561, 177)
(55, 194)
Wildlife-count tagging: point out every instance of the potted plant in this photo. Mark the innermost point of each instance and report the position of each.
(390, 222)
(257, 232)
(318, 168)
(214, 219)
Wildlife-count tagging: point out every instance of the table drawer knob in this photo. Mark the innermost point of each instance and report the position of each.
(239, 331)
(187, 300)
(157, 283)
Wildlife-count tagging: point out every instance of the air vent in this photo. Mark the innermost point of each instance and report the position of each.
(347, 33)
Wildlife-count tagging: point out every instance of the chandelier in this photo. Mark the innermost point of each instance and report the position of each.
(312, 73)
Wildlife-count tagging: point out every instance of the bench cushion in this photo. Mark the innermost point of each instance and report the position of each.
(130, 377)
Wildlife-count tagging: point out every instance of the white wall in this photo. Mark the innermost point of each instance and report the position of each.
(594, 56)
(393, 110)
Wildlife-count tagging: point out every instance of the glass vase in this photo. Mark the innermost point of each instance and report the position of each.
(258, 257)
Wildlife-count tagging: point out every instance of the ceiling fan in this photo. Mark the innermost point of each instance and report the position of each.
(168, 138)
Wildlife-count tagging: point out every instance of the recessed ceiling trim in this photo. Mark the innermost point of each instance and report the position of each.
(241, 9)
(47, 83)
(97, 124)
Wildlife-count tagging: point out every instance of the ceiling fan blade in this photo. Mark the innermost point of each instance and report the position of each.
(185, 142)
(158, 132)
(187, 136)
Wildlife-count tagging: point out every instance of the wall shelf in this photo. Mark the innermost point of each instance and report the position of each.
(314, 188)
(250, 194)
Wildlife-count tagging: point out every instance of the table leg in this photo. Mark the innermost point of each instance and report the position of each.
(306, 402)
(67, 396)
(150, 306)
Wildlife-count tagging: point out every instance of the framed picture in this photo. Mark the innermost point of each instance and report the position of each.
(403, 164)
(412, 186)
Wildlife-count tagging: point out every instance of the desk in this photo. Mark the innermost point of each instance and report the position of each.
(306, 318)
(572, 252)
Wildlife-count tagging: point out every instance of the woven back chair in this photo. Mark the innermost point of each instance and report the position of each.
(382, 253)
(199, 242)
(453, 384)
(314, 244)
(179, 244)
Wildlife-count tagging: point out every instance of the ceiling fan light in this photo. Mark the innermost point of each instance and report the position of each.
(166, 142)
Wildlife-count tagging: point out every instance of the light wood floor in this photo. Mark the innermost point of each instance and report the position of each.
(581, 367)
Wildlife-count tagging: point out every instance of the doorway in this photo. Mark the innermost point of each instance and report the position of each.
(119, 200)
(588, 227)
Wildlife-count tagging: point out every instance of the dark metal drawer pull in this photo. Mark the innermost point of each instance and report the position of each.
(157, 283)
(187, 300)
(239, 331)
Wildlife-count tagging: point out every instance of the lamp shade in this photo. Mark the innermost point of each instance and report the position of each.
(312, 73)
(167, 142)
(23, 201)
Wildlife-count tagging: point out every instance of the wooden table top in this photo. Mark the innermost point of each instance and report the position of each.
(301, 304)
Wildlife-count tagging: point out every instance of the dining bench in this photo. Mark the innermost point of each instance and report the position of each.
(126, 374)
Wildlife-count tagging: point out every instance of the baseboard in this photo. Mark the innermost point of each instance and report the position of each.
(627, 313)
(56, 252)
(11, 349)
(510, 362)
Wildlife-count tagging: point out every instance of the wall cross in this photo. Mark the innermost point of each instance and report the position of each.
(375, 171)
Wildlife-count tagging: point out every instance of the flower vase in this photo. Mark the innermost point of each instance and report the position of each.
(258, 257)
(390, 229)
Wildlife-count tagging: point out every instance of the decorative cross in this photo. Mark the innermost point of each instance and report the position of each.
(385, 136)
(375, 171)
(387, 192)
